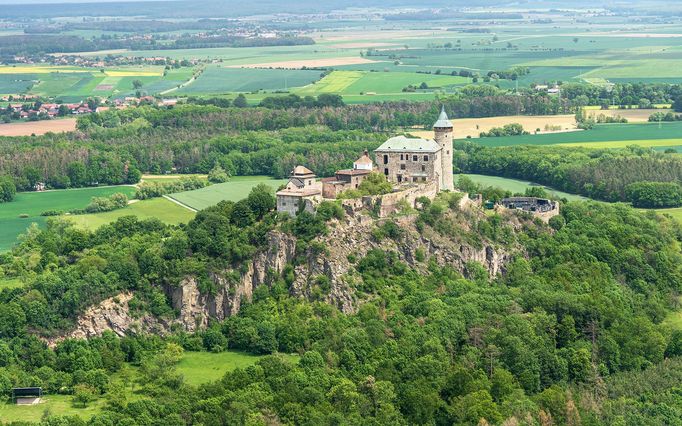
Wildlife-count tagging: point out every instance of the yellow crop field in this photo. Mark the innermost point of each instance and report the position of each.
(119, 72)
(335, 82)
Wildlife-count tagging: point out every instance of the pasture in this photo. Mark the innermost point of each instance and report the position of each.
(517, 186)
(472, 127)
(32, 204)
(236, 189)
(160, 208)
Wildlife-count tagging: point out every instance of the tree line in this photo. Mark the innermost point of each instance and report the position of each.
(603, 174)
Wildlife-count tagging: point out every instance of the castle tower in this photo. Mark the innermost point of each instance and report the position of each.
(443, 136)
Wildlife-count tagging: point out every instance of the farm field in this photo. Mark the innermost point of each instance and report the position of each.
(236, 189)
(164, 210)
(615, 133)
(517, 186)
(632, 115)
(472, 127)
(392, 83)
(247, 80)
(33, 204)
(73, 84)
(29, 128)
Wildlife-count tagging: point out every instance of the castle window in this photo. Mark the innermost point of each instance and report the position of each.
(400, 178)
(414, 158)
(447, 152)
(402, 166)
(426, 158)
(423, 168)
(414, 179)
(401, 157)
(385, 158)
(386, 172)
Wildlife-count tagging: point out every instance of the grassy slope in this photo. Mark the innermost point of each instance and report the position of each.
(515, 185)
(161, 208)
(34, 203)
(237, 188)
(203, 367)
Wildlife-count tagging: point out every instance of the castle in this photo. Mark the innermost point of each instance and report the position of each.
(426, 163)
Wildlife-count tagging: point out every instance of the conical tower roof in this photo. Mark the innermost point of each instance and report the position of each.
(443, 120)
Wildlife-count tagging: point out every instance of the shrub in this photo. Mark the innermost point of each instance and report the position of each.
(7, 189)
(328, 210)
(654, 194)
(218, 175)
(106, 204)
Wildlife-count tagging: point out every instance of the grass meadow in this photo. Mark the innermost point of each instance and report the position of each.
(196, 367)
(164, 210)
(237, 188)
(247, 80)
(32, 204)
(517, 186)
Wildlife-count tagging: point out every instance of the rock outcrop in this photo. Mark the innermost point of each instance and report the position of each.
(329, 259)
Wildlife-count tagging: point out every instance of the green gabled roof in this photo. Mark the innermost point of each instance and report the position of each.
(402, 143)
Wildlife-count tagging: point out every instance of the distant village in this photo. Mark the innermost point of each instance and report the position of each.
(31, 108)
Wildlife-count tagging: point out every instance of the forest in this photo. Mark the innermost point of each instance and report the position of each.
(436, 348)
(603, 174)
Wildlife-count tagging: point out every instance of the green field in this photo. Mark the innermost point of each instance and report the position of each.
(363, 82)
(203, 367)
(160, 208)
(237, 188)
(196, 368)
(74, 83)
(517, 186)
(602, 136)
(216, 78)
(56, 404)
(33, 204)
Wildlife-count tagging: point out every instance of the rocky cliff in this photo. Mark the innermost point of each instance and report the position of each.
(330, 256)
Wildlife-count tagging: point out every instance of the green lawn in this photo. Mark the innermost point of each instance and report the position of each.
(516, 186)
(203, 367)
(55, 404)
(170, 178)
(237, 188)
(161, 208)
(32, 204)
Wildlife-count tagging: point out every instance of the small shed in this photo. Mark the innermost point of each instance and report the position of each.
(27, 396)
